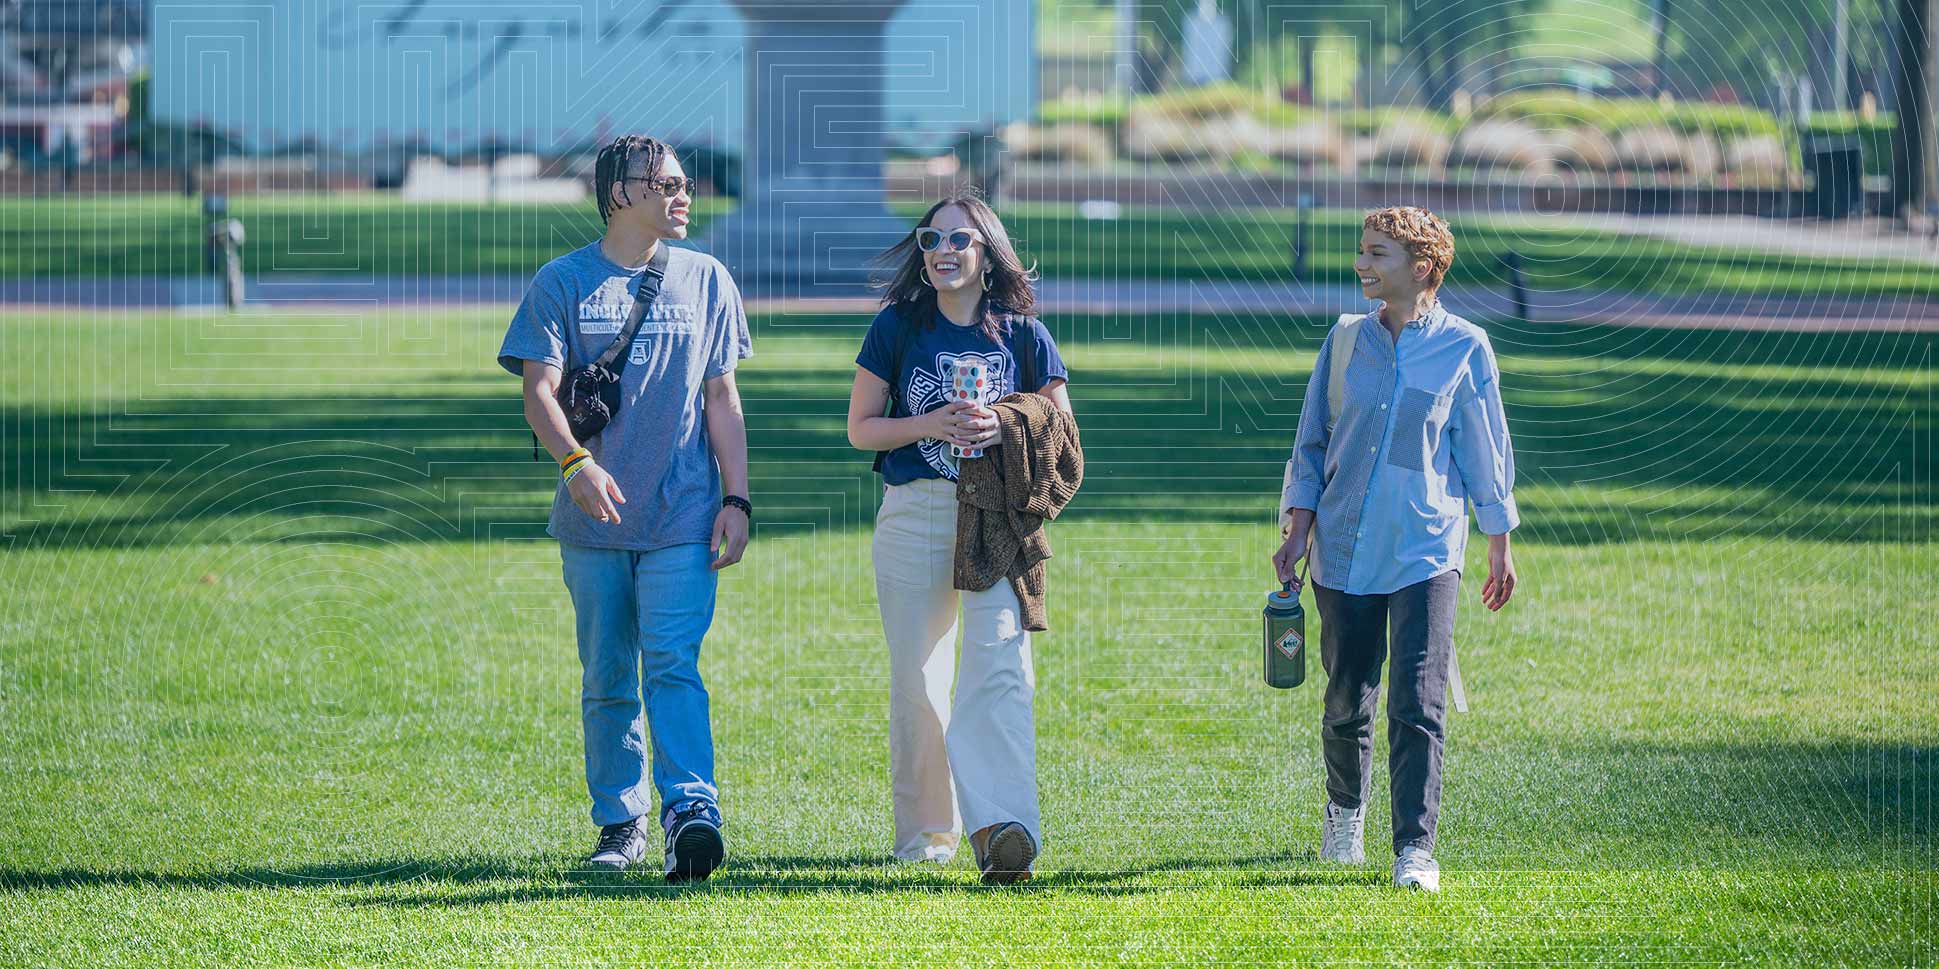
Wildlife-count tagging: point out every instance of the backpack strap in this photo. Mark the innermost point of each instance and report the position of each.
(905, 337)
(1028, 380)
(1346, 330)
(1346, 334)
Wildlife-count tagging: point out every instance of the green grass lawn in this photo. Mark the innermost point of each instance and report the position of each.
(286, 674)
(103, 236)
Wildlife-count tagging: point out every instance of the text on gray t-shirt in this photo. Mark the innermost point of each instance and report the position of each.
(656, 446)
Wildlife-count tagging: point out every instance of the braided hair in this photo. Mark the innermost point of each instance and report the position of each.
(616, 162)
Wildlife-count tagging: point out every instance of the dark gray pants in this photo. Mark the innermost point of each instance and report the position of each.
(1355, 632)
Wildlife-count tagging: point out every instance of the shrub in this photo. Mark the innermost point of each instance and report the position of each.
(1586, 148)
(1212, 101)
(1369, 123)
(1723, 121)
(1406, 143)
(1700, 154)
(1650, 148)
(1150, 136)
(1314, 142)
(1760, 158)
(1615, 116)
(1562, 109)
(1237, 134)
(1099, 113)
(1658, 148)
(1081, 144)
(1502, 144)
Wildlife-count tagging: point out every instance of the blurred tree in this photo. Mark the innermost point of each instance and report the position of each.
(1756, 47)
(1161, 35)
(1912, 67)
(1444, 42)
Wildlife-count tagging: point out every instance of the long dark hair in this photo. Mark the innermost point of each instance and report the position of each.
(1008, 294)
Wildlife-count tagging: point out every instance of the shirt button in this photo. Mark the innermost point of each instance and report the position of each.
(1383, 406)
(1372, 450)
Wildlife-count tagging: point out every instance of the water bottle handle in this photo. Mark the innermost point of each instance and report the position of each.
(1298, 573)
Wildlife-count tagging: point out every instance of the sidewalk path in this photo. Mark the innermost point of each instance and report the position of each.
(1863, 238)
(291, 292)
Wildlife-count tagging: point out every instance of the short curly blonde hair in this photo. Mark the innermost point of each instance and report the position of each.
(1425, 235)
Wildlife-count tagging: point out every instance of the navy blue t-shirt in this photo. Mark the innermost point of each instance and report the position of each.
(924, 377)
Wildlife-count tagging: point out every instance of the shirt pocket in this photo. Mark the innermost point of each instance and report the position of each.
(1418, 422)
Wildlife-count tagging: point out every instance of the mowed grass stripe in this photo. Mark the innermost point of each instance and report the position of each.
(368, 233)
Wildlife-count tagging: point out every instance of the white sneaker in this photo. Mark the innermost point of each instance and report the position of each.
(1341, 834)
(934, 854)
(1415, 868)
(619, 845)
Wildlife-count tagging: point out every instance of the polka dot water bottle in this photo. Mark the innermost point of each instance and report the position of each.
(969, 382)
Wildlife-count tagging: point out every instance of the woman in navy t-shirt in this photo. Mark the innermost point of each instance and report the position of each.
(959, 294)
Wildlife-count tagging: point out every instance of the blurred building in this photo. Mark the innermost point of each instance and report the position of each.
(66, 67)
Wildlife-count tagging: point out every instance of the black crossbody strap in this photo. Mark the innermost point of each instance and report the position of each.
(905, 337)
(1027, 367)
(614, 359)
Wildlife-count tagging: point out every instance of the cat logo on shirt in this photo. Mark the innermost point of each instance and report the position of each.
(925, 393)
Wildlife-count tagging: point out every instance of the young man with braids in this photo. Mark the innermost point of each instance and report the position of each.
(674, 457)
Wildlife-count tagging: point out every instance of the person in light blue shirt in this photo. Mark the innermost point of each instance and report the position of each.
(1376, 501)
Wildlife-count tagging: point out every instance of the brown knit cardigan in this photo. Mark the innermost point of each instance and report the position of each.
(1004, 497)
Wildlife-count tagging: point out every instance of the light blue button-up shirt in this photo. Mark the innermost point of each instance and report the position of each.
(1420, 433)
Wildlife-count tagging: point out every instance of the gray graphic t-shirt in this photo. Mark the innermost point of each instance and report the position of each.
(656, 446)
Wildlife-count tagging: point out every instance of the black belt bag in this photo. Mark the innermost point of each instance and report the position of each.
(590, 395)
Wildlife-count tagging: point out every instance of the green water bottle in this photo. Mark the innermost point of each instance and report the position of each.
(1285, 639)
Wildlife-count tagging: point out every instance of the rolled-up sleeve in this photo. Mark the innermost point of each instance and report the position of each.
(1483, 454)
(1305, 474)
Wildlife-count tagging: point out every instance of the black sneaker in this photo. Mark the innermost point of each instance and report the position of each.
(1007, 855)
(694, 845)
(619, 845)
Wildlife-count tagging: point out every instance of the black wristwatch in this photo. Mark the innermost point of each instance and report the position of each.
(736, 501)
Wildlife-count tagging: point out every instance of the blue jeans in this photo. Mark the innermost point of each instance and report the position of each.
(641, 616)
